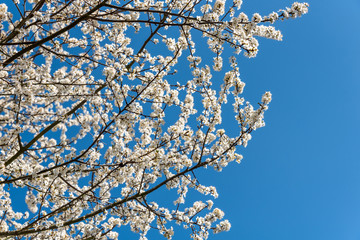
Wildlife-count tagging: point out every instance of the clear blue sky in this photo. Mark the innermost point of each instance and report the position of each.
(300, 177)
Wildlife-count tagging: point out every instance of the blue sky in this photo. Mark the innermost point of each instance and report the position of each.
(300, 177)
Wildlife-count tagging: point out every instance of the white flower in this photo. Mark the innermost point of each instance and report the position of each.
(210, 204)
(243, 17)
(219, 7)
(3, 74)
(238, 3)
(299, 8)
(222, 226)
(218, 63)
(268, 32)
(266, 98)
(256, 18)
(3, 11)
(112, 235)
(218, 213)
(273, 17)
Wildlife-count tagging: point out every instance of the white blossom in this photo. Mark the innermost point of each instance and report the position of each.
(256, 18)
(266, 98)
(219, 7)
(3, 11)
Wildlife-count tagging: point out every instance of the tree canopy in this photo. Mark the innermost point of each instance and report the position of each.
(105, 102)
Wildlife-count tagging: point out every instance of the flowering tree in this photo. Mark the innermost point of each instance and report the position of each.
(98, 112)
